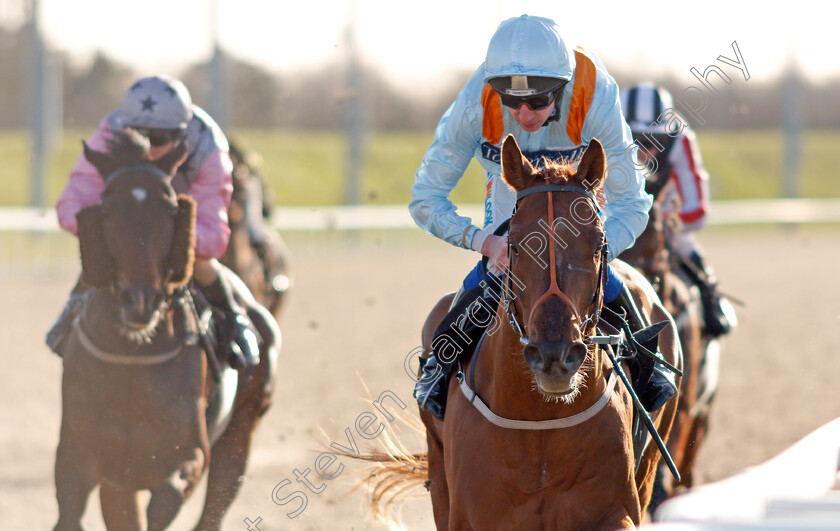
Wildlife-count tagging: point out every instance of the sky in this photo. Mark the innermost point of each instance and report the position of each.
(419, 43)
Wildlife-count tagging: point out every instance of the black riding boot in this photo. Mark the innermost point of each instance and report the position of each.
(60, 330)
(457, 335)
(714, 318)
(235, 330)
(653, 384)
(430, 389)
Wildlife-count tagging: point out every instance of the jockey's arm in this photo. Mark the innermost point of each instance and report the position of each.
(692, 179)
(212, 190)
(85, 185)
(457, 136)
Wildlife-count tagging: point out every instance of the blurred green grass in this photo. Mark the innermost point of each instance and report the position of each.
(306, 167)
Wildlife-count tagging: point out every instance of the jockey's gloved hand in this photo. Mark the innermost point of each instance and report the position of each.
(495, 248)
(235, 327)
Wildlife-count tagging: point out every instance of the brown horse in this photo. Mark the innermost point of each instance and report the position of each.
(140, 410)
(539, 436)
(651, 255)
(262, 263)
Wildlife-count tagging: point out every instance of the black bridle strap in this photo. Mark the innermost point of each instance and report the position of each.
(548, 187)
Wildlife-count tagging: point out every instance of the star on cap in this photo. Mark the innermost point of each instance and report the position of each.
(171, 91)
(148, 104)
(136, 85)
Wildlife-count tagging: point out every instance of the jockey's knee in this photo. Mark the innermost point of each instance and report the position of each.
(613, 284)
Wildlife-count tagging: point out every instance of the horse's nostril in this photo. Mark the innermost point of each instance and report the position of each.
(533, 357)
(577, 352)
(140, 302)
(126, 297)
(562, 356)
(157, 298)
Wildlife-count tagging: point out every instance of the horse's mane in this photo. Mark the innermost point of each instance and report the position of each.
(128, 147)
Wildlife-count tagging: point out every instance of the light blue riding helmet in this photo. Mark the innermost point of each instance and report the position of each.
(157, 102)
(530, 47)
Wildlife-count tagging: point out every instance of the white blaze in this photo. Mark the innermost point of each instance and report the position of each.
(139, 194)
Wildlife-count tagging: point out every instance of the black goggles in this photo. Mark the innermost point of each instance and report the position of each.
(535, 103)
(159, 137)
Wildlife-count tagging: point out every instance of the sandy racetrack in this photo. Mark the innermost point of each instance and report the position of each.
(355, 314)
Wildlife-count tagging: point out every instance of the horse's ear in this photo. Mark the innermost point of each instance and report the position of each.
(182, 253)
(592, 166)
(516, 169)
(103, 162)
(98, 266)
(173, 158)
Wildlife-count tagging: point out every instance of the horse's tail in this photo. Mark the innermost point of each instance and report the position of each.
(391, 478)
(393, 472)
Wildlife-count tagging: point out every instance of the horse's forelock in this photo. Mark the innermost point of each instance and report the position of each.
(562, 172)
(555, 172)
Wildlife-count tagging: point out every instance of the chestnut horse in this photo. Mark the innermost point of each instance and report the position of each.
(263, 266)
(537, 434)
(651, 255)
(140, 410)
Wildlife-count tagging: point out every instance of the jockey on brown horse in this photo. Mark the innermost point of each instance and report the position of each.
(668, 147)
(160, 109)
(144, 398)
(554, 101)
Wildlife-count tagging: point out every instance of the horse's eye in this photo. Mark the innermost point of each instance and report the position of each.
(514, 250)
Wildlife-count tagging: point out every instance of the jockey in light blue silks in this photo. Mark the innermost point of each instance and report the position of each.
(553, 100)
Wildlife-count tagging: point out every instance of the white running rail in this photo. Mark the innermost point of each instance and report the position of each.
(315, 218)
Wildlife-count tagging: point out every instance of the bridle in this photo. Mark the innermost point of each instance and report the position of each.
(168, 296)
(588, 324)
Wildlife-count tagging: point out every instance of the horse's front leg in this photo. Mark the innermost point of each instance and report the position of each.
(76, 475)
(230, 455)
(120, 507)
(169, 496)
